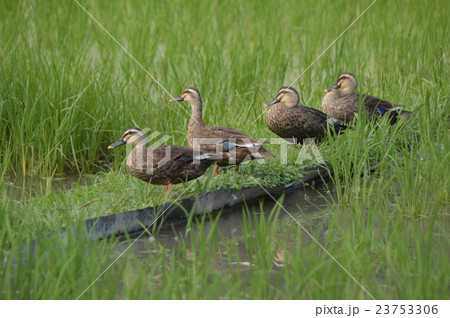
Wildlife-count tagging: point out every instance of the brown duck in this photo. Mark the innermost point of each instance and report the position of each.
(341, 102)
(200, 135)
(166, 164)
(295, 122)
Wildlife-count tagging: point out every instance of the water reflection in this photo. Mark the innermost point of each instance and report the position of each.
(299, 204)
(21, 188)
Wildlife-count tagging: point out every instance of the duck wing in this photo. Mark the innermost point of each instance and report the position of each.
(174, 164)
(373, 104)
(236, 136)
(379, 107)
(296, 121)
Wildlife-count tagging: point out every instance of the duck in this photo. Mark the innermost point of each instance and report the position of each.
(203, 136)
(164, 164)
(295, 122)
(341, 102)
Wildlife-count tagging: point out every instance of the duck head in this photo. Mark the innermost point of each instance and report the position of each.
(346, 82)
(131, 136)
(190, 95)
(285, 95)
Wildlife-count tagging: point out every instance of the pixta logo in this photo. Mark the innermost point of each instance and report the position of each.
(146, 150)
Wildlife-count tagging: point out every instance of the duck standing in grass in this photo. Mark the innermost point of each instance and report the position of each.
(295, 122)
(341, 102)
(166, 164)
(201, 136)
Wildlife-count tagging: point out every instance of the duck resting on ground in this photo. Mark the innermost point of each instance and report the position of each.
(202, 136)
(341, 102)
(166, 164)
(295, 122)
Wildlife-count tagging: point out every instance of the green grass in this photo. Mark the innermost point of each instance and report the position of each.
(67, 91)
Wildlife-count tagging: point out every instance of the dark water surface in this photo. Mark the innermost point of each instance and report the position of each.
(296, 205)
(21, 188)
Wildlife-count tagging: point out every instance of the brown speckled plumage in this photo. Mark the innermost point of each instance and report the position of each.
(247, 148)
(294, 122)
(341, 102)
(166, 164)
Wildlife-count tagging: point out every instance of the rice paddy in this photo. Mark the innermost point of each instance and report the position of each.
(68, 90)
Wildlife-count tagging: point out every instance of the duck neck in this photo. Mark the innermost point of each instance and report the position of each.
(141, 144)
(346, 91)
(137, 158)
(289, 104)
(197, 117)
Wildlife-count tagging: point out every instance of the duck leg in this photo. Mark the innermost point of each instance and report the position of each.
(169, 189)
(216, 169)
(308, 147)
(236, 169)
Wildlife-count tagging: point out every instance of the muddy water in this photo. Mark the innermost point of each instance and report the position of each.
(298, 204)
(21, 188)
(295, 205)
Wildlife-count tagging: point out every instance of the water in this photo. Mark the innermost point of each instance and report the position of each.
(295, 206)
(21, 188)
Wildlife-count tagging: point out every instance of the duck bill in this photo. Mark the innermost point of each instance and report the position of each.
(176, 99)
(273, 101)
(329, 89)
(118, 143)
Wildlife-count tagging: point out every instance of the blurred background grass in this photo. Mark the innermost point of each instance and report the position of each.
(68, 90)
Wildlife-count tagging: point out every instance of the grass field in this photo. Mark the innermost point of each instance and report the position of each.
(67, 91)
